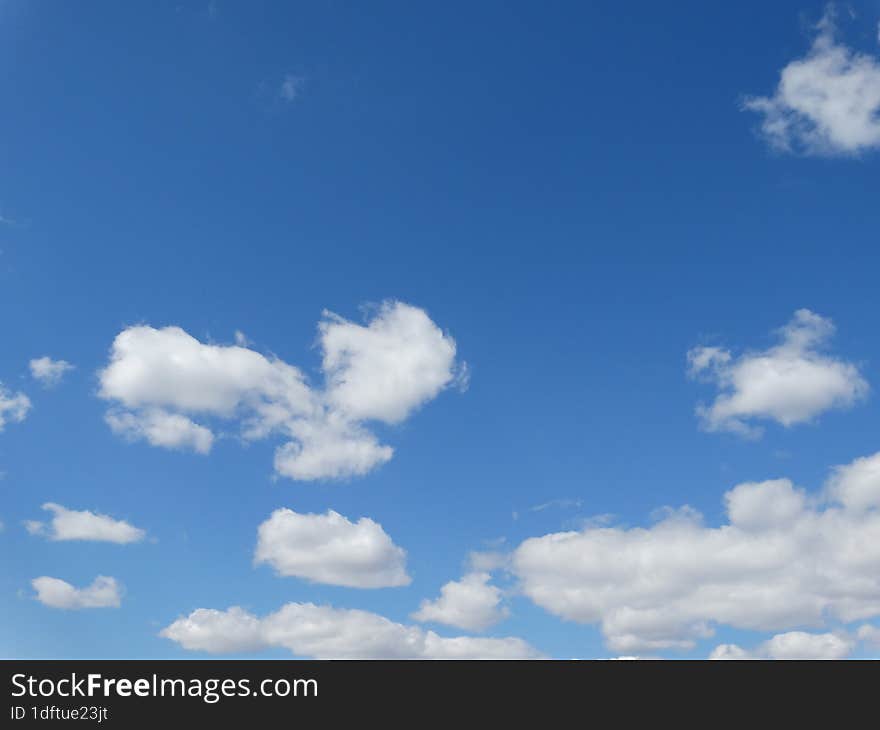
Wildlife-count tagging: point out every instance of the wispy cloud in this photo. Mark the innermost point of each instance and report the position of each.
(291, 87)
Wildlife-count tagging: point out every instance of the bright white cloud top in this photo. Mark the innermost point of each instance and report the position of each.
(328, 548)
(160, 380)
(470, 603)
(791, 645)
(14, 407)
(324, 632)
(104, 592)
(68, 524)
(47, 371)
(790, 383)
(784, 559)
(826, 103)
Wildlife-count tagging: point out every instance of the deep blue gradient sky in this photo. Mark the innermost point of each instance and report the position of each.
(571, 190)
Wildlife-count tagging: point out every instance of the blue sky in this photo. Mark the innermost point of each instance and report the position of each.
(576, 194)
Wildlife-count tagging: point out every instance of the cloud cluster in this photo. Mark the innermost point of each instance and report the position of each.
(785, 559)
(827, 103)
(328, 548)
(104, 592)
(470, 603)
(792, 382)
(14, 407)
(791, 645)
(324, 632)
(68, 524)
(160, 380)
(48, 371)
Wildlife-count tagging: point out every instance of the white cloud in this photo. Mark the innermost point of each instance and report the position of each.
(791, 645)
(104, 592)
(470, 603)
(784, 560)
(324, 632)
(826, 103)
(790, 383)
(329, 446)
(160, 428)
(328, 548)
(387, 369)
(857, 485)
(48, 371)
(163, 382)
(67, 524)
(234, 631)
(14, 407)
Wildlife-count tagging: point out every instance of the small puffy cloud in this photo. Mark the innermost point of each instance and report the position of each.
(325, 632)
(68, 524)
(328, 548)
(470, 603)
(160, 428)
(783, 560)
(168, 368)
(791, 645)
(14, 407)
(234, 631)
(48, 371)
(165, 385)
(826, 103)
(386, 369)
(329, 447)
(104, 592)
(792, 382)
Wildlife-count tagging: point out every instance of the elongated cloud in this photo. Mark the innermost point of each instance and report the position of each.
(324, 632)
(48, 371)
(330, 549)
(826, 103)
(791, 645)
(471, 603)
(68, 524)
(104, 592)
(14, 407)
(790, 383)
(783, 560)
(160, 428)
(168, 388)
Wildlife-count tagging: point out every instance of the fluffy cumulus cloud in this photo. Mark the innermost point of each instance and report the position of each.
(160, 428)
(328, 548)
(792, 382)
(791, 645)
(68, 524)
(48, 371)
(827, 102)
(471, 603)
(168, 388)
(784, 560)
(104, 592)
(324, 632)
(14, 407)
